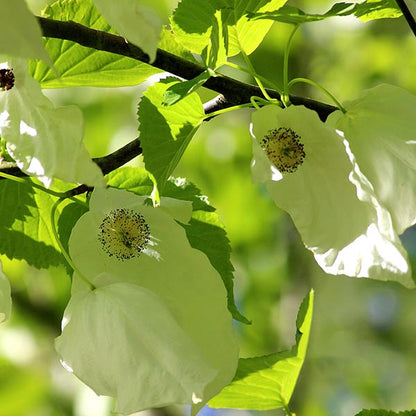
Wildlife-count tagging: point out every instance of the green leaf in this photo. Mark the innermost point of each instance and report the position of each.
(165, 132)
(25, 227)
(368, 10)
(245, 34)
(240, 33)
(263, 383)
(215, 53)
(382, 412)
(81, 66)
(293, 15)
(205, 231)
(5, 298)
(21, 33)
(377, 9)
(180, 90)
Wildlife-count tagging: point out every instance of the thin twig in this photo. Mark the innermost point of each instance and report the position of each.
(407, 15)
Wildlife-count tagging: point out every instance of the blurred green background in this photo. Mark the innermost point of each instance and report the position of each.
(363, 341)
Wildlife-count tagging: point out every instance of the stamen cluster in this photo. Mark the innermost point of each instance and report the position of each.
(6, 79)
(284, 149)
(124, 234)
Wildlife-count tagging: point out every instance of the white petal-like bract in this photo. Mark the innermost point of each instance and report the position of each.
(330, 201)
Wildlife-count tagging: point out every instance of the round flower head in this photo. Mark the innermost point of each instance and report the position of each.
(329, 200)
(168, 300)
(124, 233)
(284, 149)
(380, 128)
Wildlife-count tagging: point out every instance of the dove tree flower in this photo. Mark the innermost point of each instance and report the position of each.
(45, 141)
(380, 127)
(155, 329)
(312, 174)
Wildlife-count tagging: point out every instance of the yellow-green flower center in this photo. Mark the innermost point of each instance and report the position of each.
(284, 149)
(124, 233)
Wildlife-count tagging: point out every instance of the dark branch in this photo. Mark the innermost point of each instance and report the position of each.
(408, 16)
(107, 163)
(234, 92)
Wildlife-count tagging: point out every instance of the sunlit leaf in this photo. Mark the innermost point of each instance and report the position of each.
(165, 132)
(81, 66)
(383, 412)
(25, 227)
(377, 9)
(180, 90)
(239, 33)
(263, 383)
(293, 15)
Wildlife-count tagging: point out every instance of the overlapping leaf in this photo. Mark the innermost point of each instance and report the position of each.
(382, 412)
(80, 66)
(238, 32)
(25, 227)
(365, 11)
(165, 132)
(263, 383)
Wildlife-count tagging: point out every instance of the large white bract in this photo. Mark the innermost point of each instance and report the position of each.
(331, 202)
(156, 330)
(45, 141)
(380, 127)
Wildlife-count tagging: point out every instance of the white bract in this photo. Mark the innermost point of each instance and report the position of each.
(45, 141)
(21, 33)
(137, 23)
(380, 127)
(5, 298)
(311, 174)
(159, 310)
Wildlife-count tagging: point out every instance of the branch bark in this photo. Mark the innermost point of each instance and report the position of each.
(233, 92)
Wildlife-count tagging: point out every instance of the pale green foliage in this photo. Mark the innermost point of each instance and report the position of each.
(181, 277)
(365, 11)
(44, 141)
(348, 235)
(268, 382)
(166, 131)
(382, 412)
(139, 24)
(21, 33)
(77, 65)
(5, 298)
(221, 24)
(381, 129)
